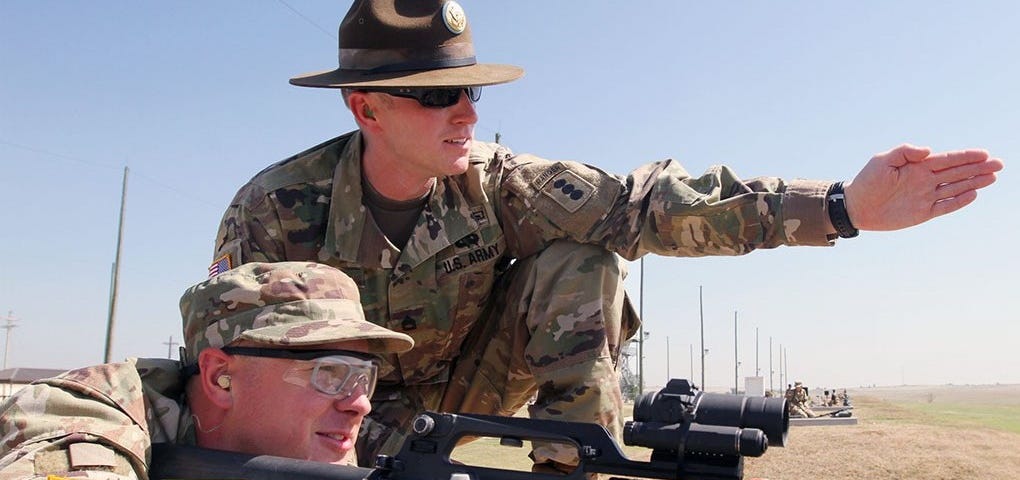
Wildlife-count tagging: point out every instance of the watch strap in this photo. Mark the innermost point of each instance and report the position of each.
(835, 201)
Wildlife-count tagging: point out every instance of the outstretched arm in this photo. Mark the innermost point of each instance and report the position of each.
(909, 185)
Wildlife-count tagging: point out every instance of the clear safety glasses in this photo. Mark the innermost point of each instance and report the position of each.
(336, 373)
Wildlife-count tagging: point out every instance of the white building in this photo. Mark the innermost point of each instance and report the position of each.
(13, 379)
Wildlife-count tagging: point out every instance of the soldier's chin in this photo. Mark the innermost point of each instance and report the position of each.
(457, 166)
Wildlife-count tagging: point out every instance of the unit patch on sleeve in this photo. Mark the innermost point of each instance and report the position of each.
(568, 189)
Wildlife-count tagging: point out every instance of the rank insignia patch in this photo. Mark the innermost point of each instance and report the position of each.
(569, 190)
(478, 215)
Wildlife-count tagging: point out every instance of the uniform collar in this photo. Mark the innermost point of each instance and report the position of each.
(353, 239)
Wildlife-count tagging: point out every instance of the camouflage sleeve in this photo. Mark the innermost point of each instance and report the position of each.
(273, 220)
(658, 208)
(250, 229)
(63, 427)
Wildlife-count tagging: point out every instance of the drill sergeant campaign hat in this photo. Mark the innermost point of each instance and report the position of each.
(407, 43)
(287, 305)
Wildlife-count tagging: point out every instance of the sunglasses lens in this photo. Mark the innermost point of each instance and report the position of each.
(435, 97)
(439, 97)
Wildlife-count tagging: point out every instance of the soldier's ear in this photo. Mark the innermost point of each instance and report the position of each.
(360, 106)
(214, 370)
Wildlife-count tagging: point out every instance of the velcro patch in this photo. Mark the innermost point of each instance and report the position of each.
(568, 190)
(78, 458)
(91, 455)
(51, 461)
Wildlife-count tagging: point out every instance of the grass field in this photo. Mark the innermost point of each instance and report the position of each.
(931, 433)
(993, 406)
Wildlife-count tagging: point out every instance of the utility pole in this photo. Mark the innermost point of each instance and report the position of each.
(170, 346)
(701, 309)
(757, 371)
(692, 362)
(772, 371)
(8, 326)
(641, 330)
(786, 365)
(736, 358)
(667, 359)
(781, 366)
(115, 274)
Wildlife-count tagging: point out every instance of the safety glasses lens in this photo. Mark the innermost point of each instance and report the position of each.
(337, 376)
(344, 377)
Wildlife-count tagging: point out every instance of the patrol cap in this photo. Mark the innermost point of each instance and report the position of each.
(285, 305)
(407, 43)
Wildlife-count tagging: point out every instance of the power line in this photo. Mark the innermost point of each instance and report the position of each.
(58, 155)
(310, 21)
(152, 180)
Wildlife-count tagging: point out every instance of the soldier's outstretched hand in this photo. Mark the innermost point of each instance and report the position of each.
(909, 185)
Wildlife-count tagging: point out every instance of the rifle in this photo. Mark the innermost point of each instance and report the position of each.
(844, 412)
(693, 435)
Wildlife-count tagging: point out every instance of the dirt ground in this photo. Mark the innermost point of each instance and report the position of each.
(895, 441)
(901, 434)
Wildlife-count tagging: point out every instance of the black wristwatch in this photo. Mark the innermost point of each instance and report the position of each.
(836, 202)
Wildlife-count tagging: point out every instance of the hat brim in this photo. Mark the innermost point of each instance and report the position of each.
(478, 75)
(335, 333)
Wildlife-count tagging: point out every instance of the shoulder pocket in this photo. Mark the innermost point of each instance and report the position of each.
(570, 195)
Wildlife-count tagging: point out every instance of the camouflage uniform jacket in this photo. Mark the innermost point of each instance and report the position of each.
(506, 206)
(94, 422)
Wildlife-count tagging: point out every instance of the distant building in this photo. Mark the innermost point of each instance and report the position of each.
(13, 379)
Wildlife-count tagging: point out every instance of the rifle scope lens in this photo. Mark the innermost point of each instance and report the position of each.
(766, 414)
(678, 403)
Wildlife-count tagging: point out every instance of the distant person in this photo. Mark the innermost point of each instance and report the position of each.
(276, 362)
(506, 268)
(798, 402)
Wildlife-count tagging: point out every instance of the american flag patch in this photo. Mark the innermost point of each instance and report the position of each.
(219, 266)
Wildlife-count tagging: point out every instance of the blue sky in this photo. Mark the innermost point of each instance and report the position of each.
(193, 98)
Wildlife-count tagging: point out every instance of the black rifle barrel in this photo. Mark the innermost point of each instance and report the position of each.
(193, 463)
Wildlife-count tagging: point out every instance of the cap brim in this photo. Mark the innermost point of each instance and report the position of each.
(335, 333)
(477, 75)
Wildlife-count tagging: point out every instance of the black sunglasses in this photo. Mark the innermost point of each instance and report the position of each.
(432, 97)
